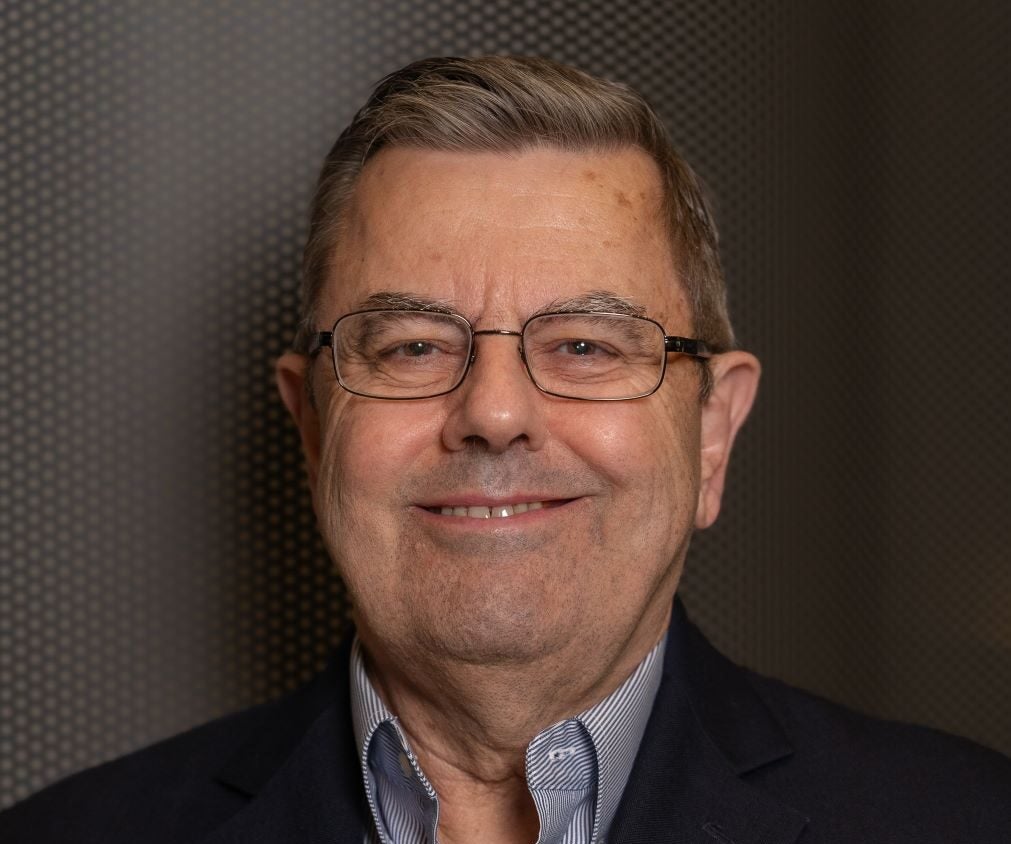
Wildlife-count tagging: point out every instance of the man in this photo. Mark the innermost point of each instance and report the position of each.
(517, 390)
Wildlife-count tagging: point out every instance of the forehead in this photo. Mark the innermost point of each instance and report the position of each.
(497, 236)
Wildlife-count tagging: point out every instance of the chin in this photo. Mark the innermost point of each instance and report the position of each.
(483, 635)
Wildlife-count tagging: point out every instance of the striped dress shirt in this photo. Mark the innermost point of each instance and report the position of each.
(576, 769)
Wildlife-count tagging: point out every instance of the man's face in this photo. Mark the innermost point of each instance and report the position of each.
(498, 237)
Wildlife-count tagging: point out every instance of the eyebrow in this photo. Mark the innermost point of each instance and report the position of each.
(594, 302)
(392, 300)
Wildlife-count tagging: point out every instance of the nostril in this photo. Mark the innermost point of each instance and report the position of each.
(477, 443)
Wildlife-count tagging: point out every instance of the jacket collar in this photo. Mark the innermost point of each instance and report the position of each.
(709, 729)
(299, 768)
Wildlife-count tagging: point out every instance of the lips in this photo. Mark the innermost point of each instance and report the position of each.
(494, 511)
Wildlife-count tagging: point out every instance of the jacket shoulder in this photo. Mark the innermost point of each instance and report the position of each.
(162, 793)
(881, 774)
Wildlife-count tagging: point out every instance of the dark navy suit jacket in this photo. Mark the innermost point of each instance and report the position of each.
(728, 757)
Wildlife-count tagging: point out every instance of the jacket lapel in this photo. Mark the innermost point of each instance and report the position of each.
(300, 770)
(708, 730)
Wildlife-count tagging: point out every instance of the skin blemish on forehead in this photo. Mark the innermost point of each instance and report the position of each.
(622, 199)
(590, 175)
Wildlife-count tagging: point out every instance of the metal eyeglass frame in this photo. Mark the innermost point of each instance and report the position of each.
(677, 345)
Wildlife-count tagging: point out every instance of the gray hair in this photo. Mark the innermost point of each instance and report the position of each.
(511, 104)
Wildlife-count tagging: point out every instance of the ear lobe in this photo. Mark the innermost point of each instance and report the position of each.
(292, 370)
(735, 382)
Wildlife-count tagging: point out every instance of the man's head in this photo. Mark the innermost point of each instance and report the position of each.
(513, 205)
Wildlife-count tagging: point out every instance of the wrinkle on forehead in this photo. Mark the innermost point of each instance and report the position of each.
(399, 175)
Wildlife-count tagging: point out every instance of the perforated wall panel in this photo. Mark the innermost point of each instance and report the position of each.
(158, 557)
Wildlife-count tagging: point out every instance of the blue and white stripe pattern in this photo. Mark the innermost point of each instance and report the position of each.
(576, 769)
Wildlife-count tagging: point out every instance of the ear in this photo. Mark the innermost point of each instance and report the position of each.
(292, 371)
(735, 382)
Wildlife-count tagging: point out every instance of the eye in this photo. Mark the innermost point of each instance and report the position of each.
(581, 347)
(584, 348)
(416, 348)
(410, 349)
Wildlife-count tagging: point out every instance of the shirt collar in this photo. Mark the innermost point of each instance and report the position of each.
(577, 769)
(616, 725)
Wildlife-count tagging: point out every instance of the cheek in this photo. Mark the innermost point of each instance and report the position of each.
(648, 452)
(367, 447)
(639, 444)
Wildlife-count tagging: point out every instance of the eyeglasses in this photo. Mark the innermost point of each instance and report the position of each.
(404, 354)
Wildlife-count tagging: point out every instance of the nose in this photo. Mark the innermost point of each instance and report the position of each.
(497, 406)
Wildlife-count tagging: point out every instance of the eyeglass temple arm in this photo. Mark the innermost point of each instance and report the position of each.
(687, 346)
(319, 340)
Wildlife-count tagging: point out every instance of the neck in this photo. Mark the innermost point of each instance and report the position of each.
(470, 723)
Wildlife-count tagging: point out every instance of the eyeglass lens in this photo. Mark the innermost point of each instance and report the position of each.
(411, 354)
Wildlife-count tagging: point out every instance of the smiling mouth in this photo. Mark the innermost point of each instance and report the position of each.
(497, 511)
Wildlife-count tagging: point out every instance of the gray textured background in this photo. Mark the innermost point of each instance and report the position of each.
(159, 564)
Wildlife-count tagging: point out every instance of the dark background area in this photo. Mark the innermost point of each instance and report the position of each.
(158, 559)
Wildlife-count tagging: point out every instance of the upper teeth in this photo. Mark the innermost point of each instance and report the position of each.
(499, 511)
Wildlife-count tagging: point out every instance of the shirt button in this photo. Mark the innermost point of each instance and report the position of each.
(405, 765)
(561, 753)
